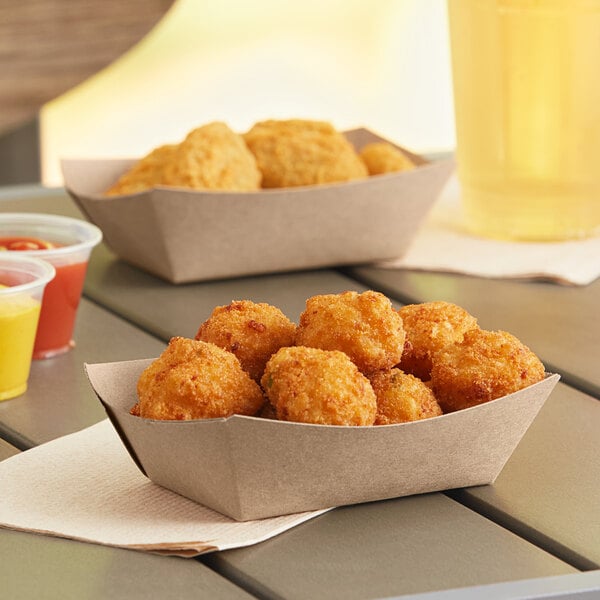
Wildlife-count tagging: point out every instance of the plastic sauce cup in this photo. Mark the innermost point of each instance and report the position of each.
(22, 283)
(72, 241)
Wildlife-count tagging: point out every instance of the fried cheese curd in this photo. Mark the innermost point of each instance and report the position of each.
(300, 152)
(309, 385)
(214, 157)
(211, 157)
(192, 379)
(252, 331)
(145, 174)
(382, 157)
(364, 326)
(402, 397)
(429, 327)
(486, 365)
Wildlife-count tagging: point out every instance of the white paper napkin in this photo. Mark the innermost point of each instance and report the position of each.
(441, 244)
(85, 486)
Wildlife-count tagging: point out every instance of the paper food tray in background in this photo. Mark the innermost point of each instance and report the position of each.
(250, 468)
(188, 235)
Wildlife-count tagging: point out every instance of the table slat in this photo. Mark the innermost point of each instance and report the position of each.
(380, 549)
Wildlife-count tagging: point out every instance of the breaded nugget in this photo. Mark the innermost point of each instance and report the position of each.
(145, 174)
(484, 366)
(309, 385)
(364, 326)
(213, 157)
(429, 327)
(196, 380)
(252, 331)
(382, 157)
(402, 397)
(302, 152)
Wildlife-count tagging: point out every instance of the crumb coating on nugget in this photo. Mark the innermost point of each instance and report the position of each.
(364, 326)
(252, 331)
(484, 366)
(324, 387)
(402, 397)
(300, 152)
(196, 380)
(145, 174)
(214, 157)
(430, 327)
(382, 157)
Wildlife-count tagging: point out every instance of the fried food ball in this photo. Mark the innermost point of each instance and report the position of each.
(484, 366)
(429, 327)
(252, 331)
(402, 397)
(309, 385)
(213, 157)
(302, 152)
(196, 380)
(382, 157)
(145, 174)
(364, 326)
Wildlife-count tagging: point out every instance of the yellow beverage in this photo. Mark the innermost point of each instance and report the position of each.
(18, 323)
(527, 105)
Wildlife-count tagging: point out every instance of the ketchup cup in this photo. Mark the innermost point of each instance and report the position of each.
(66, 244)
(22, 283)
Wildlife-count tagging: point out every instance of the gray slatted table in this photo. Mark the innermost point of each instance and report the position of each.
(402, 546)
(166, 310)
(380, 549)
(36, 566)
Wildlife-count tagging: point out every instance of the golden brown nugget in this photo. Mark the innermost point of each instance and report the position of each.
(382, 157)
(196, 380)
(145, 174)
(402, 397)
(324, 387)
(300, 152)
(213, 157)
(252, 331)
(484, 366)
(364, 326)
(429, 327)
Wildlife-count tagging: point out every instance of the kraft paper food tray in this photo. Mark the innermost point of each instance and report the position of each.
(250, 468)
(186, 235)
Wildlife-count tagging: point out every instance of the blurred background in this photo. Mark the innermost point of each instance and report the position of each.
(115, 78)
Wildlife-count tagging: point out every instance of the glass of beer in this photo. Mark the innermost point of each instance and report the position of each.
(526, 76)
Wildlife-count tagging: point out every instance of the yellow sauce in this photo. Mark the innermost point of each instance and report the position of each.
(18, 323)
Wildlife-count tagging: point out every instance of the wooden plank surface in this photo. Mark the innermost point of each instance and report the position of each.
(382, 549)
(37, 566)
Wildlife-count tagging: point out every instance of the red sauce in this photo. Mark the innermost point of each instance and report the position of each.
(59, 308)
(61, 299)
(24, 243)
